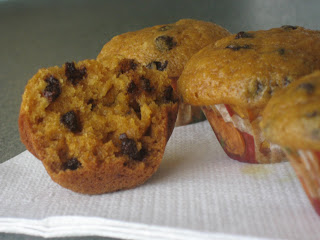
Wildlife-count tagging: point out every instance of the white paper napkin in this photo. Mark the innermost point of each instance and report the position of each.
(197, 193)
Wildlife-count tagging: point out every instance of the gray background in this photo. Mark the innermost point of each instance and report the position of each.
(36, 34)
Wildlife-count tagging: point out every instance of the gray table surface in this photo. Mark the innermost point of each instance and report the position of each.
(39, 33)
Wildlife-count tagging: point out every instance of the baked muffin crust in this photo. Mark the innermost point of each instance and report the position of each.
(165, 47)
(246, 69)
(292, 117)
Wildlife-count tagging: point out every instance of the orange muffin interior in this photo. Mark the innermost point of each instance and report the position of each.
(84, 117)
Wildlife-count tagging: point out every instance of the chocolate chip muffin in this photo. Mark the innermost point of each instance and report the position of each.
(98, 129)
(234, 79)
(167, 48)
(291, 119)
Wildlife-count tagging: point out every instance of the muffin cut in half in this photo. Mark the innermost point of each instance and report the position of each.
(234, 79)
(167, 47)
(98, 128)
(291, 119)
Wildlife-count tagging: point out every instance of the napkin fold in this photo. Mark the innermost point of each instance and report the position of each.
(197, 193)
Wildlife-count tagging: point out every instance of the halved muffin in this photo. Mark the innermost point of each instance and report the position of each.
(98, 128)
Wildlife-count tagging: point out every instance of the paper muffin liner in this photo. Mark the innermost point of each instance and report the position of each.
(240, 138)
(306, 164)
(188, 114)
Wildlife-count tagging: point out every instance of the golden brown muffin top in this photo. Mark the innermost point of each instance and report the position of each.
(292, 116)
(165, 47)
(247, 68)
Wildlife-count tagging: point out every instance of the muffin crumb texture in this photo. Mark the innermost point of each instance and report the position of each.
(98, 129)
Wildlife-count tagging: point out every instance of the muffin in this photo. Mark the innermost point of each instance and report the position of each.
(167, 48)
(98, 129)
(234, 79)
(291, 119)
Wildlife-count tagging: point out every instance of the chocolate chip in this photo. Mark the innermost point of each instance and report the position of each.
(235, 47)
(256, 88)
(312, 114)
(281, 51)
(129, 147)
(308, 87)
(260, 87)
(158, 65)
(92, 102)
(164, 28)
(142, 153)
(161, 66)
(165, 43)
(286, 81)
(168, 94)
(289, 27)
(53, 89)
(70, 120)
(145, 84)
(131, 87)
(125, 65)
(73, 74)
(243, 35)
(72, 164)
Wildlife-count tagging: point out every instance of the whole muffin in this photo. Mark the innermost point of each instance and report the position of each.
(234, 79)
(291, 119)
(98, 129)
(167, 48)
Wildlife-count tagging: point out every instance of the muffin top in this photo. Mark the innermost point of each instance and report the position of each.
(247, 68)
(165, 47)
(292, 116)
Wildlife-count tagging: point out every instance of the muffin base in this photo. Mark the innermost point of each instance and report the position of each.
(188, 114)
(240, 138)
(306, 164)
